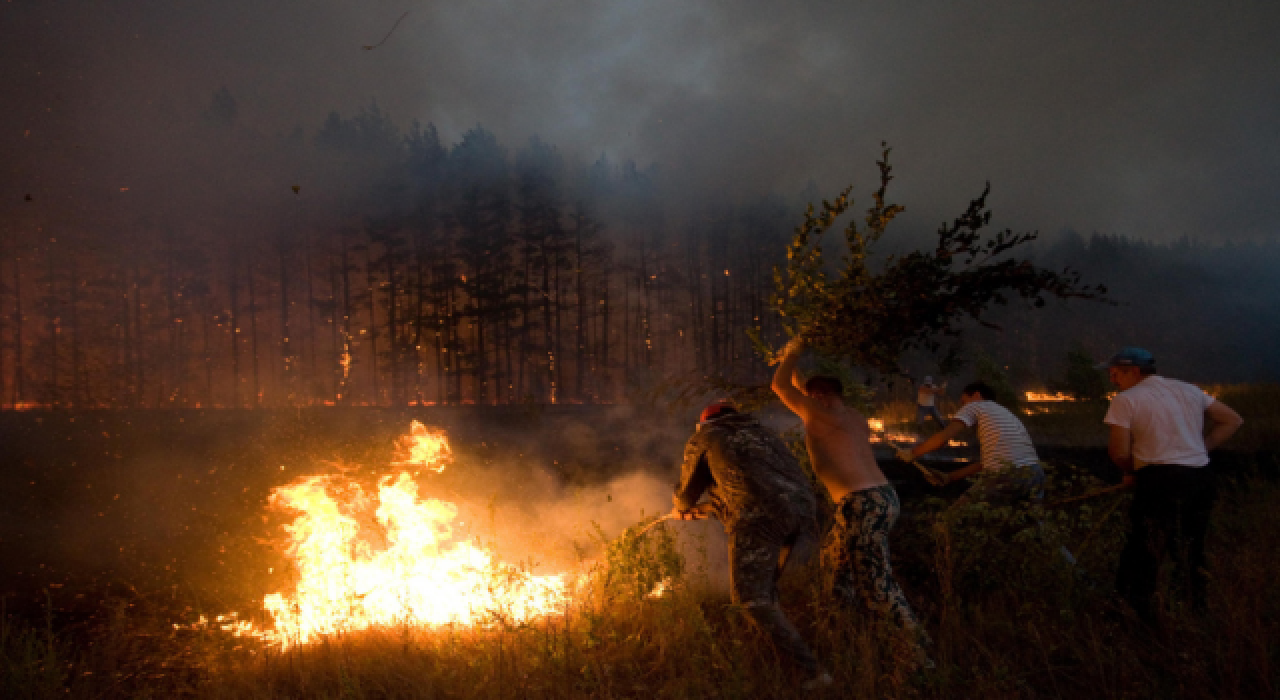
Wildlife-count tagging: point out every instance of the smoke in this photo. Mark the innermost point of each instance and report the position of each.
(553, 495)
(1146, 119)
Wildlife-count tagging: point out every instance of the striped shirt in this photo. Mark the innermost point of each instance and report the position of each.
(1004, 439)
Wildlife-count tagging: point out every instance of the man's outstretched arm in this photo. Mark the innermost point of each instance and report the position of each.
(938, 439)
(784, 383)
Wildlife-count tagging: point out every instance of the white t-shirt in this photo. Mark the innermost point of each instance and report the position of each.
(1165, 418)
(1004, 439)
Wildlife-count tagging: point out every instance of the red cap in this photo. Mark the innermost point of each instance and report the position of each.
(715, 409)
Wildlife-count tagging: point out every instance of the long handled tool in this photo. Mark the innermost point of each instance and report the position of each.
(700, 511)
(933, 476)
(1091, 495)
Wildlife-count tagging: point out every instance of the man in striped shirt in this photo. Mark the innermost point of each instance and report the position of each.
(1009, 469)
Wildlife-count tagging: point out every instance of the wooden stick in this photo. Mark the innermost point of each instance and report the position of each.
(1092, 494)
(930, 475)
(645, 530)
(700, 512)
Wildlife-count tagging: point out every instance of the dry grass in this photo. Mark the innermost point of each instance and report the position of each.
(1066, 638)
(1022, 627)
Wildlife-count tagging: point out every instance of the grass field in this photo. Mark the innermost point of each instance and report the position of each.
(93, 594)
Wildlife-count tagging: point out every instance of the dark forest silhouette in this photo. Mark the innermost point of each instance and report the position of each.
(464, 273)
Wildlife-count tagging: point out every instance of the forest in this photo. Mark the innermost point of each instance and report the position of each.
(400, 269)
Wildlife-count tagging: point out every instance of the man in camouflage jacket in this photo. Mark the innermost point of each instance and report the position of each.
(767, 506)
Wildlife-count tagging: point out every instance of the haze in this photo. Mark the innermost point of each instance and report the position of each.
(1151, 120)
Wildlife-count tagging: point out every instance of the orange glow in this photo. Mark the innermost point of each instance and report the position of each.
(391, 558)
(423, 447)
(1044, 397)
(28, 406)
(662, 589)
(879, 435)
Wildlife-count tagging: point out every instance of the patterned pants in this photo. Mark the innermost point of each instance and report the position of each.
(859, 544)
(760, 553)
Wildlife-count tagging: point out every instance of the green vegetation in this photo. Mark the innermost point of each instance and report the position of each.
(987, 369)
(872, 312)
(1083, 379)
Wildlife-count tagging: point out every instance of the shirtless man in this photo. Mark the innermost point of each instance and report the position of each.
(839, 444)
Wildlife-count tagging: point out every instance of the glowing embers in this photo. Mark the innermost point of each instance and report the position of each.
(878, 433)
(1038, 402)
(390, 558)
(1045, 397)
(662, 589)
(880, 436)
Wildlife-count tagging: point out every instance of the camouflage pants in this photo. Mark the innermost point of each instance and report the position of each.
(859, 545)
(759, 555)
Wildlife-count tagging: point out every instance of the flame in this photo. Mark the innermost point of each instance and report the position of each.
(878, 433)
(28, 406)
(402, 566)
(1039, 397)
(423, 447)
(661, 589)
(1044, 397)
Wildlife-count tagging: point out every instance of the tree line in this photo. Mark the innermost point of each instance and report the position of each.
(399, 269)
(446, 273)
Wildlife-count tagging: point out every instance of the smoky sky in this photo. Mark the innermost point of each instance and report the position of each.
(1151, 119)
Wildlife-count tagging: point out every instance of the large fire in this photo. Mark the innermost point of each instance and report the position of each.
(402, 566)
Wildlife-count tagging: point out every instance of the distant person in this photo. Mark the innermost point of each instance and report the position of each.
(1158, 440)
(1009, 469)
(768, 507)
(927, 402)
(867, 506)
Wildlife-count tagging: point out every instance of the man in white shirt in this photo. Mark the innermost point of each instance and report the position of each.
(1009, 469)
(1158, 439)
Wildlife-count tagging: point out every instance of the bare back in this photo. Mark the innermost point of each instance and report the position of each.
(839, 444)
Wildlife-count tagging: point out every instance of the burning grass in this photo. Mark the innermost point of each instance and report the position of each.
(1035, 630)
(1066, 639)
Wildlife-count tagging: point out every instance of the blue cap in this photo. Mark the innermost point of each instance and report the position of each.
(1130, 357)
